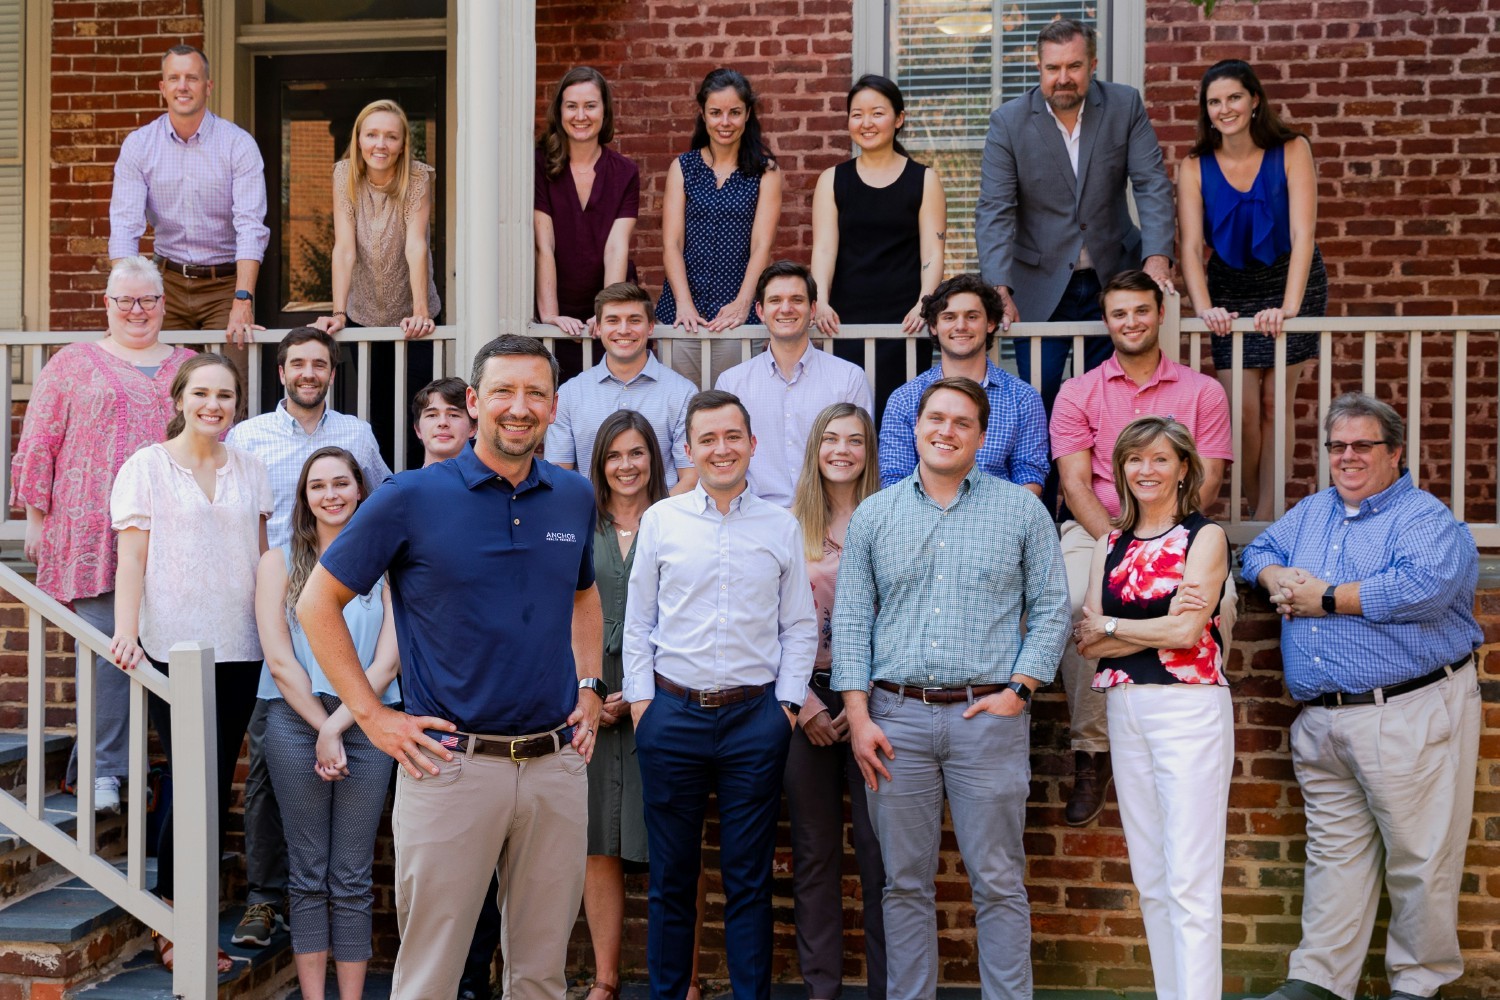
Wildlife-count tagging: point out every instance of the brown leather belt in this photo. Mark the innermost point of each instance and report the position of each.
(940, 696)
(523, 748)
(196, 270)
(1337, 699)
(711, 697)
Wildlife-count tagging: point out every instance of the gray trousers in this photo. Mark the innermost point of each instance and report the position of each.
(111, 698)
(265, 842)
(330, 829)
(1392, 783)
(983, 763)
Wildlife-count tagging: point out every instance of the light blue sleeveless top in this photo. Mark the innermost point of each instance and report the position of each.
(364, 616)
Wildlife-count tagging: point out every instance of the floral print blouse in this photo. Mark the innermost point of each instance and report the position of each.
(1141, 576)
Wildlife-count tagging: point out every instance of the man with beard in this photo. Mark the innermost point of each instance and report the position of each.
(962, 314)
(1091, 410)
(302, 423)
(490, 559)
(1052, 222)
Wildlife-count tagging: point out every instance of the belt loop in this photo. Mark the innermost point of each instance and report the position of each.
(1379, 694)
(470, 743)
(969, 693)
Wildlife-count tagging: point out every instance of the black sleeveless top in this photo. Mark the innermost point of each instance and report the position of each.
(1141, 576)
(878, 275)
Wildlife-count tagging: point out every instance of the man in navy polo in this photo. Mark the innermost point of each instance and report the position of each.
(490, 561)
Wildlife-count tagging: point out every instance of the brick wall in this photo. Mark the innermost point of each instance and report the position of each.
(106, 63)
(1087, 931)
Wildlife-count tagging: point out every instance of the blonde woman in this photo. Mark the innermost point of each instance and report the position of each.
(382, 257)
(839, 470)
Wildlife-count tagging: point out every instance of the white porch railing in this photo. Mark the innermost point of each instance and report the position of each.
(192, 921)
(1429, 445)
(35, 347)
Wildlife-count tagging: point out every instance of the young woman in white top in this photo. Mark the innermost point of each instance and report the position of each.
(191, 516)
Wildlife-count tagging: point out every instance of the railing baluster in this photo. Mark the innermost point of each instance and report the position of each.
(398, 408)
(588, 352)
(1236, 420)
(1035, 349)
(195, 908)
(1459, 422)
(362, 360)
(84, 699)
(1279, 423)
(1413, 454)
(870, 361)
(706, 360)
(253, 360)
(36, 714)
(911, 355)
(139, 780)
(1367, 383)
(6, 406)
(1325, 397)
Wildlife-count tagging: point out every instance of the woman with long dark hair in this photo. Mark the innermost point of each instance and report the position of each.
(628, 476)
(587, 199)
(839, 470)
(878, 233)
(1152, 618)
(329, 778)
(719, 217)
(1248, 192)
(191, 515)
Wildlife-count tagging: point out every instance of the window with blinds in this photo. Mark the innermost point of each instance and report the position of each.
(12, 200)
(956, 61)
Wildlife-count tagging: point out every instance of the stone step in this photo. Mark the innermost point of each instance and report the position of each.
(13, 759)
(24, 869)
(258, 973)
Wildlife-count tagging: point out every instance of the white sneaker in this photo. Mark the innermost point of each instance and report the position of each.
(107, 794)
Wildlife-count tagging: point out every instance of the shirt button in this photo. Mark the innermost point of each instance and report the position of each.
(1317, 659)
(723, 586)
(942, 545)
(937, 611)
(940, 576)
(1315, 628)
(721, 621)
(1335, 548)
(1138, 412)
(518, 520)
(934, 646)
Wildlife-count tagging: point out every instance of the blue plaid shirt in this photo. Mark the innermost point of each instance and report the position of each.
(1417, 570)
(935, 597)
(1015, 442)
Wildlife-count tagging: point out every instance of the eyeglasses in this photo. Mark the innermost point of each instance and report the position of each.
(129, 302)
(1337, 448)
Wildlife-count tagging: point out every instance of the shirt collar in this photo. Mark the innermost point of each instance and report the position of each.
(652, 371)
(1387, 496)
(1078, 125)
(803, 363)
(292, 423)
(964, 488)
(475, 473)
(1167, 370)
(992, 373)
(703, 503)
(205, 129)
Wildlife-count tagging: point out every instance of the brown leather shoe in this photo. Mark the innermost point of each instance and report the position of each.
(1092, 774)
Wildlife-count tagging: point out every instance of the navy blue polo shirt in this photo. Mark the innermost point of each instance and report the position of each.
(483, 576)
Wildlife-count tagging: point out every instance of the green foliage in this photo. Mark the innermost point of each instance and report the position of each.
(313, 278)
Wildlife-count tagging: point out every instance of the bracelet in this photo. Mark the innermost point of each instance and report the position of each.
(340, 312)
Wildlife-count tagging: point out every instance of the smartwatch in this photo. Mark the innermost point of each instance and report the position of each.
(1330, 606)
(244, 296)
(1022, 690)
(792, 706)
(595, 685)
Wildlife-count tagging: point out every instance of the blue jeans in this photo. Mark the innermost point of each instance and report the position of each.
(737, 752)
(984, 765)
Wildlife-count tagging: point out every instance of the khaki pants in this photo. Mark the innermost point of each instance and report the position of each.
(479, 815)
(197, 303)
(1086, 721)
(1392, 782)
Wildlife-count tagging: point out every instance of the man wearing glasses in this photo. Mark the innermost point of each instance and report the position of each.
(1375, 582)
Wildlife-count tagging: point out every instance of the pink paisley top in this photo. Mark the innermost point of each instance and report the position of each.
(89, 412)
(824, 577)
(1141, 575)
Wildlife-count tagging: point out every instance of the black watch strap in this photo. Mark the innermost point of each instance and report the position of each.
(1022, 690)
(1330, 603)
(792, 706)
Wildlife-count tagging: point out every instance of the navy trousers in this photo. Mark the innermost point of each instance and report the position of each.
(1080, 303)
(737, 752)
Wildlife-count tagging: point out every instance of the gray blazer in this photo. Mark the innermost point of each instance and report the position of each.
(1034, 216)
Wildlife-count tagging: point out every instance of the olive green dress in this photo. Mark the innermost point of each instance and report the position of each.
(617, 820)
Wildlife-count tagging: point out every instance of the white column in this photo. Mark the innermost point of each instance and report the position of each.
(496, 109)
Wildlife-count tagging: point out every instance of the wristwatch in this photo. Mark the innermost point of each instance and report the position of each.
(1022, 690)
(1330, 606)
(595, 685)
(244, 296)
(792, 706)
(1110, 626)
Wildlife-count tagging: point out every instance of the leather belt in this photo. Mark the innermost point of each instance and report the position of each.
(711, 697)
(522, 748)
(196, 270)
(940, 696)
(822, 679)
(1337, 699)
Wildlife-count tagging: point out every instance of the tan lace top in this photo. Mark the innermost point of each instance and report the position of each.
(380, 284)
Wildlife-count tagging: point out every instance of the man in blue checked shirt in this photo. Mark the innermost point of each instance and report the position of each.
(1375, 582)
(938, 573)
(963, 313)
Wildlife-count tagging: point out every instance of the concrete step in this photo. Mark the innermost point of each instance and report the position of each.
(257, 972)
(13, 760)
(24, 869)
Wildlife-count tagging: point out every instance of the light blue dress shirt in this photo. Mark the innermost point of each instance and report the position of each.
(584, 402)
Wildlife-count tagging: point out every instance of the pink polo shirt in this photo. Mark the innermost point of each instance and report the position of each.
(1092, 409)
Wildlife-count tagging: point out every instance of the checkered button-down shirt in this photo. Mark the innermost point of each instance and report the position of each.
(934, 597)
(1417, 569)
(1015, 442)
(783, 406)
(204, 196)
(279, 441)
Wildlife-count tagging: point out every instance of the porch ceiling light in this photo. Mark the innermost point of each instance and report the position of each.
(965, 24)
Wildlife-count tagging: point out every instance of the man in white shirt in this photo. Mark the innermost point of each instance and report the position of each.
(786, 387)
(719, 641)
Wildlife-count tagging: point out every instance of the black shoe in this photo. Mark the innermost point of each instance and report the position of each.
(1298, 989)
(475, 986)
(1092, 774)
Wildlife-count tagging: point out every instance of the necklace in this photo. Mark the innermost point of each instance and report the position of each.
(623, 533)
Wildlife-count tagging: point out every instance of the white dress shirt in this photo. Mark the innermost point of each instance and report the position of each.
(1072, 139)
(719, 600)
